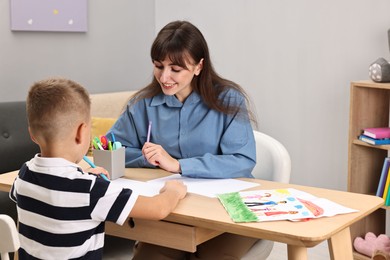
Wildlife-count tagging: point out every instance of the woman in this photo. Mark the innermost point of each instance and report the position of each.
(199, 127)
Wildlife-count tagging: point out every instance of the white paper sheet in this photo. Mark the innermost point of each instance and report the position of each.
(207, 187)
(142, 188)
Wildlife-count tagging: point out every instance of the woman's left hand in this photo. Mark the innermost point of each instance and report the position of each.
(157, 156)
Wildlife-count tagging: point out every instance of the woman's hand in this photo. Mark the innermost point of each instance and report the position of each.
(157, 156)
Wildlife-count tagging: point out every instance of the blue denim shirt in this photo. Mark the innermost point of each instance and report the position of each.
(207, 143)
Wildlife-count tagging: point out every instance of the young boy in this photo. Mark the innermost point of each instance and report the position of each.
(61, 209)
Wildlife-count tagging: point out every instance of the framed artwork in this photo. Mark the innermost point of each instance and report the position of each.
(49, 15)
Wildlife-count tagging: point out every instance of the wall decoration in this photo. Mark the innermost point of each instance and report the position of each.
(49, 15)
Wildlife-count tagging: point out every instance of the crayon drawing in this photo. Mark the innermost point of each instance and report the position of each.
(278, 204)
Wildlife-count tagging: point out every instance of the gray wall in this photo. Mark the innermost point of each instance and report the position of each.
(295, 58)
(112, 55)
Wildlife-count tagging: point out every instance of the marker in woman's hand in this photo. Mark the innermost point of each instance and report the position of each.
(149, 131)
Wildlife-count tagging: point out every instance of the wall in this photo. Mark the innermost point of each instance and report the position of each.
(112, 55)
(296, 59)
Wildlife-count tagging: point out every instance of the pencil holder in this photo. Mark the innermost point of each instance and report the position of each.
(112, 160)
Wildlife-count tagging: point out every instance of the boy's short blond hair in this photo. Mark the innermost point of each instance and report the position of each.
(55, 106)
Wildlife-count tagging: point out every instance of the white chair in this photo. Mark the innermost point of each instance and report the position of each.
(9, 241)
(273, 164)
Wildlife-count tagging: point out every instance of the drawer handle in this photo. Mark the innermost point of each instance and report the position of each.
(131, 223)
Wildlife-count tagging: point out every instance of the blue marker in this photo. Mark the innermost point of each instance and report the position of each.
(115, 145)
(94, 166)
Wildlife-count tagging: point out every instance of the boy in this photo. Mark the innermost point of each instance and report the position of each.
(62, 210)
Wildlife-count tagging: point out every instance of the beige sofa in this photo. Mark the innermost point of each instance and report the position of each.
(110, 104)
(105, 109)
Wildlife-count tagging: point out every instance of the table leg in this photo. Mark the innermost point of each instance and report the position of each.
(340, 245)
(296, 252)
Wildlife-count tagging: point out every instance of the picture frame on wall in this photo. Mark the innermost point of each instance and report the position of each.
(49, 15)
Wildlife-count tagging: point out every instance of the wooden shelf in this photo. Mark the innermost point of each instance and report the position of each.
(358, 256)
(384, 147)
(369, 107)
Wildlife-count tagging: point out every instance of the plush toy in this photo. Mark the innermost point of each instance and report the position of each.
(377, 247)
(379, 70)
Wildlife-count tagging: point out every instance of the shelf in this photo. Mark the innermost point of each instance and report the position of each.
(369, 107)
(383, 147)
(371, 84)
(358, 256)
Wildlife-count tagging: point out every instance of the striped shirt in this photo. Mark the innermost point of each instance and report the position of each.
(62, 211)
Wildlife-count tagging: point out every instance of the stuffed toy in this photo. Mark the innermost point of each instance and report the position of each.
(379, 70)
(377, 247)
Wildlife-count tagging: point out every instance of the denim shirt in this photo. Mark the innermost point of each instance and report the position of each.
(207, 143)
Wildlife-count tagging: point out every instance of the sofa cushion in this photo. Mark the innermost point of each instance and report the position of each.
(109, 105)
(15, 142)
(101, 125)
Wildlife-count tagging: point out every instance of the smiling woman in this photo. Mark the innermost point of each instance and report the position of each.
(176, 80)
(201, 127)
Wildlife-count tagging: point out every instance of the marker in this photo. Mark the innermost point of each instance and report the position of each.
(148, 136)
(96, 143)
(149, 130)
(94, 166)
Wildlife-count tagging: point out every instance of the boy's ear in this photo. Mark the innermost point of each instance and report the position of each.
(80, 133)
(31, 135)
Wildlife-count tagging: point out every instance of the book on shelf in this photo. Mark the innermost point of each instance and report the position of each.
(278, 204)
(383, 177)
(377, 132)
(386, 189)
(387, 201)
(374, 141)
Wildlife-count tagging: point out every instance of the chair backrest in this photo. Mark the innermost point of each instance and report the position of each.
(273, 160)
(9, 241)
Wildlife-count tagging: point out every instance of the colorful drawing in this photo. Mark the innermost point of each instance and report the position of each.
(278, 204)
(49, 15)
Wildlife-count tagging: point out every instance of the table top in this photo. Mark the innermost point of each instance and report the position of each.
(200, 211)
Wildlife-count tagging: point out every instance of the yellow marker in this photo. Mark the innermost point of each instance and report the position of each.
(55, 11)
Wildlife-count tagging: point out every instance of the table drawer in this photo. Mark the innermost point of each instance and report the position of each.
(162, 233)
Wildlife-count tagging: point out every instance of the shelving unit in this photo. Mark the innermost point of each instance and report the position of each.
(369, 107)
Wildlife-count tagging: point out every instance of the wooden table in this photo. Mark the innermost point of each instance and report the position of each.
(197, 219)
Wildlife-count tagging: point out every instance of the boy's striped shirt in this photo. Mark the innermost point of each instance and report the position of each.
(62, 211)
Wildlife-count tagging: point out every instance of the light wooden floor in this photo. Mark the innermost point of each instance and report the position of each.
(120, 249)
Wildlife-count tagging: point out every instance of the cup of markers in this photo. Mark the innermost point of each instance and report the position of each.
(109, 155)
(103, 143)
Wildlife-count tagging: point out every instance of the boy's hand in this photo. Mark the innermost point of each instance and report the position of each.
(175, 186)
(98, 170)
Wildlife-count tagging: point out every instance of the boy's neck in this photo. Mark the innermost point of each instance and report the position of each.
(59, 151)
